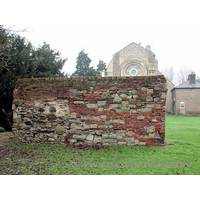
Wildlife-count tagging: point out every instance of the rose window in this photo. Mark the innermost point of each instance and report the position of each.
(133, 71)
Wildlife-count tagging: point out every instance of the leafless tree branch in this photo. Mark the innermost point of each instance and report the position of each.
(182, 74)
(169, 73)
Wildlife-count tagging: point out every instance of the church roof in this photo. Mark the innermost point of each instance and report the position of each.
(133, 43)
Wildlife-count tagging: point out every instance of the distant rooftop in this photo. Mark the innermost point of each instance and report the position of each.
(186, 85)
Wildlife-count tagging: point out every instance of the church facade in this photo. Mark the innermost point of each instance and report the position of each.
(135, 60)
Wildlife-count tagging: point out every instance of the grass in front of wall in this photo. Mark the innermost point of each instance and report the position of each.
(184, 131)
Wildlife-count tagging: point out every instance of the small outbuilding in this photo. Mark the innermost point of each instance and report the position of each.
(186, 97)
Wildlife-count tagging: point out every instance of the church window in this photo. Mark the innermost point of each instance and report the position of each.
(133, 70)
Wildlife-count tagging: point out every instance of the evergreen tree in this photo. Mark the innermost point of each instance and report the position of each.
(101, 68)
(18, 59)
(83, 66)
(48, 62)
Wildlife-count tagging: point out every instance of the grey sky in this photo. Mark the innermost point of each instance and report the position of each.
(104, 27)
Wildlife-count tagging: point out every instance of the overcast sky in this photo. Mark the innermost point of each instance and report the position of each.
(104, 27)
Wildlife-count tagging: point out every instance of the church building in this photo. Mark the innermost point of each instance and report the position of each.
(135, 60)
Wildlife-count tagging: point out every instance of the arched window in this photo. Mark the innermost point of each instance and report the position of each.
(133, 70)
(182, 105)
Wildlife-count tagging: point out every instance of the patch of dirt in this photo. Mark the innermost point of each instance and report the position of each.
(10, 153)
(5, 136)
(167, 144)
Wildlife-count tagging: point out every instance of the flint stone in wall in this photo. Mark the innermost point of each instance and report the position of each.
(92, 106)
(157, 88)
(122, 133)
(123, 91)
(51, 103)
(15, 115)
(120, 137)
(102, 126)
(105, 95)
(150, 129)
(103, 117)
(97, 139)
(78, 132)
(125, 105)
(156, 99)
(112, 136)
(93, 126)
(151, 135)
(117, 98)
(130, 144)
(72, 141)
(86, 126)
(129, 133)
(88, 142)
(105, 144)
(163, 95)
(110, 140)
(104, 135)
(73, 92)
(148, 98)
(149, 91)
(150, 105)
(113, 89)
(122, 143)
(60, 130)
(123, 96)
(79, 137)
(91, 90)
(114, 106)
(79, 102)
(89, 137)
(100, 109)
(134, 92)
(145, 109)
(51, 139)
(52, 109)
(142, 143)
(157, 105)
(82, 92)
(73, 115)
(101, 103)
(98, 132)
(73, 126)
(129, 139)
(144, 90)
(136, 142)
(41, 109)
(117, 121)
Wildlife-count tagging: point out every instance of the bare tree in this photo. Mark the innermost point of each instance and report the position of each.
(182, 74)
(169, 73)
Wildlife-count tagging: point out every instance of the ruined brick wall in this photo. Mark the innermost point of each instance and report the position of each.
(91, 110)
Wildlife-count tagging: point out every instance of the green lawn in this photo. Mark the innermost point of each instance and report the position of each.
(182, 158)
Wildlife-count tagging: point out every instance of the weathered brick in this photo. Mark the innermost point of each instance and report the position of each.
(104, 111)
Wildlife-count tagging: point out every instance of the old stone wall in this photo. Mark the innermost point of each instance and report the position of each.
(91, 110)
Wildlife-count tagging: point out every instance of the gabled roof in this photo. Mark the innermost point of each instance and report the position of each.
(186, 85)
(133, 43)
